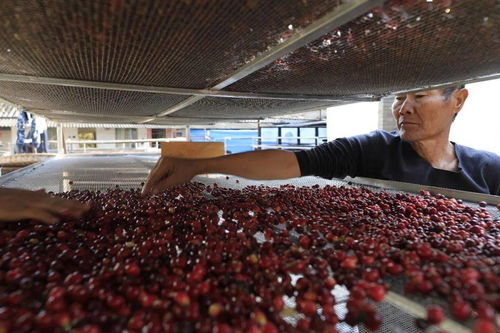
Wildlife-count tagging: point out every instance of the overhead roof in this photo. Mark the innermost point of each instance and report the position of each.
(198, 61)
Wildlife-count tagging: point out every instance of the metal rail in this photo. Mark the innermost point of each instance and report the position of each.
(70, 143)
(450, 84)
(416, 188)
(197, 93)
(419, 311)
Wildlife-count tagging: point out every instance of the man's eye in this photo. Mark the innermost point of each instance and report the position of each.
(420, 96)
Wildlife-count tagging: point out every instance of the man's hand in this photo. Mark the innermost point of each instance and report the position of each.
(169, 172)
(17, 204)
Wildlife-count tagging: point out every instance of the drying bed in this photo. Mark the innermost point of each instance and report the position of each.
(305, 214)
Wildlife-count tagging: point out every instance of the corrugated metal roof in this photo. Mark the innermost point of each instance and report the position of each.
(8, 111)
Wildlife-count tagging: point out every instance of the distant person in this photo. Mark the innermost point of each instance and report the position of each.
(33, 137)
(41, 125)
(22, 119)
(420, 152)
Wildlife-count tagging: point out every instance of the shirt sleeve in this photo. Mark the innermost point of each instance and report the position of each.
(340, 158)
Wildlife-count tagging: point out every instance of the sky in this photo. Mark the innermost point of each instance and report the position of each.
(478, 123)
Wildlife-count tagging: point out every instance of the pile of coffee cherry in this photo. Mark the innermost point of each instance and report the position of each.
(202, 258)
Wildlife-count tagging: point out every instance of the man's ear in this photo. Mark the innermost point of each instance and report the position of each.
(460, 96)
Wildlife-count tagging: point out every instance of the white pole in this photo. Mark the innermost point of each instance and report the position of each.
(60, 145)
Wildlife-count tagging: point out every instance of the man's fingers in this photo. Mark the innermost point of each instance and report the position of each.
(64, 207)
(155, 177)
(156, 173)
(152, 178)
(165, 184)
(41, 215)
(72, 208)
(148, 187)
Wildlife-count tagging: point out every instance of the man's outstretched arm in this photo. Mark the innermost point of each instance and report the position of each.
(260, 165)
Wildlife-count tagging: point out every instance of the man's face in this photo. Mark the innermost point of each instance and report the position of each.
(424, 115)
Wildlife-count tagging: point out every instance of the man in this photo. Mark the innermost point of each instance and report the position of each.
(420, 152)
(34, 135)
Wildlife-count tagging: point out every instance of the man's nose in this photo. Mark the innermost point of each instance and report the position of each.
(407, 106)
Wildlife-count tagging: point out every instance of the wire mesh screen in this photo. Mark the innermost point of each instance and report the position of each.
(189, 43)
(403, 45)
(86, 100)
(234, 108)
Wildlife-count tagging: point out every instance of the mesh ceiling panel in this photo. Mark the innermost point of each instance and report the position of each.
(86, 100)
(400, 46)
(243, 108)
(188, 43)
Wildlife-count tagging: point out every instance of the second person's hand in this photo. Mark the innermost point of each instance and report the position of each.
(18, 204)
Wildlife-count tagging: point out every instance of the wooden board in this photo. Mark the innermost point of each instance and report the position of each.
(24, 159)
(192, 149)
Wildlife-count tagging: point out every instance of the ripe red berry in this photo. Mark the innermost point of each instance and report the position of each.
(307, 307)
(485, 311)
(330, 282)
(198, 272)
(278, 303)
(424, 250)
(304, 241)
(182, 298)
(371, 275)
(132, 269)
(91, 329)
(435, 314)
(147, 300)
(484, 326)
(303, 324)
(73, 278)
(269, 328)
(350, 262)
(373, 321)
(376, 292)
(115, 302)
(461, 310)
(45, 320)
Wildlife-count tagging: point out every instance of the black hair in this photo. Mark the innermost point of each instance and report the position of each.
(448, 91)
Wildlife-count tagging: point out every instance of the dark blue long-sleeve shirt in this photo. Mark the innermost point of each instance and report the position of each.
(384, 155)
